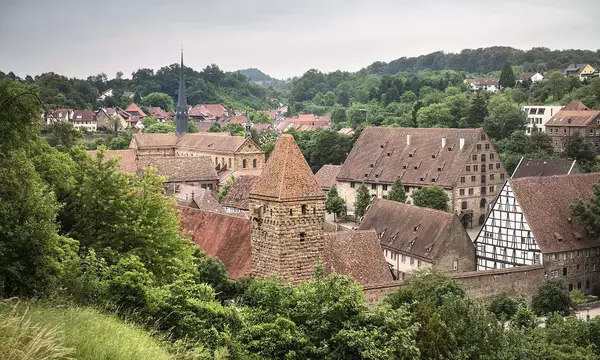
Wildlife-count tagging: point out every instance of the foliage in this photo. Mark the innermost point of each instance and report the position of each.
(588, 213)
(158, 99)
(435, 115)
(363, 199)
(225, 189)
(577, 297)
(552, 296)
(334, 204)
(507, 76)
(504, 118)
(433, 197)
(505, 307)
(397, 192)
(577, 148)
(477, 111)
(161, 128)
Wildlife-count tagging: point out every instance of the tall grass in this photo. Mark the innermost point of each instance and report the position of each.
(64, 332)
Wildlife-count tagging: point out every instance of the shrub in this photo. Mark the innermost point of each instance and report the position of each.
(552, 296)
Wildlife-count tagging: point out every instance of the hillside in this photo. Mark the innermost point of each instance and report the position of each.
(255, 75)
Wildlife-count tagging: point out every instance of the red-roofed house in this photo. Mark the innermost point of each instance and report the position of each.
(85, 119)
(159, 114)
(574, 118)
(59, 115)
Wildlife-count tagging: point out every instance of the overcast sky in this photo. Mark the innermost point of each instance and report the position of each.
(283, 38)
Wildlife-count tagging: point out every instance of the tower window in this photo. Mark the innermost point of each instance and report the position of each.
(291, 212)
(254, 163)
(302, 236)
(303, 209)
(244, 163)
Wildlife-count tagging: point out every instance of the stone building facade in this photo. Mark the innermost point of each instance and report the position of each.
(574, 118)
(463, 162)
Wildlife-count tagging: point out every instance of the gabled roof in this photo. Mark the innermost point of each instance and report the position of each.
(216, 110)
(148, 140)
(574, 117)
(527, 75)
(158, 112)
(126, 158)
(238, 194)
(575, 105)
(214, 142)
(356, 254)
(61, 113)
(286, 176)
(484, 81)
(262, 127)
(549, 167)
(384, 154)
(407, 228)
(133, 109)
(83, 115)
(236, 119)
(223, 236)
(177, 169)
(197, 197)
(575, 69)
(327, 174)
(546, 205)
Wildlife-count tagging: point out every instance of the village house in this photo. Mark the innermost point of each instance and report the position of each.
(531, 76)
(195, 197)
(487, 84)
(575, 118)
(549, 167)
(208, 112)
(531, 223)
(103, 117)
(538, 116)
(413, 237)
(84, 119)
(463, 162)
(236, 199)
(59, 115)
(159, 114)
(582, 71)
(326, 176)
(303, 122)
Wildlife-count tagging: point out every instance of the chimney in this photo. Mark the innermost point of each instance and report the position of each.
(461, 143)
(443, 142)
(407, 139)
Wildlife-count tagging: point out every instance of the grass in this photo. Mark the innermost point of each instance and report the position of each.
(32, 330)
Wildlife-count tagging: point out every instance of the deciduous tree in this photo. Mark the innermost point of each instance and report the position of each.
(334, 204)
(363, 199)
(397, 192)
(433, 197)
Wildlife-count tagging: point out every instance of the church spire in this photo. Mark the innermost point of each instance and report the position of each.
(182, 108)
(248, 125)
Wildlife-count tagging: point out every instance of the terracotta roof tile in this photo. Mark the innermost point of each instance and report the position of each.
(546, 201)
(83, 115)
(177, 169)
(201, 198)
(236, 119)
(326, 175)
(484, 81)
(575, 105)
(238, 194)
(384, 154)
(216, 110)
(133, 109)
(407, 228)
(286, 175)
(223, 236)
(127, 159)
(549, 167)
(218, 142)
(574, 118)
(356, 254)
(158, 112)
(145, 141)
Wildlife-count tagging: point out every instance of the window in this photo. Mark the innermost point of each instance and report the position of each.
(291, 212)
(579, 284)
(461, 192)
(482, 178)
(302, 236)
(487, 146)
(418, 263)
(491, 156)
(564, 271)
(403, 259)
(491, 189)
(591, 132)
(254, 163)
(501, 176)
(303, 209)
(373, 186)
(483, 137)
(384, 187)
(462, 180)
(229, 161)
(454, 265)
(492, 176)
(497, 165)
(555, 256)
(585, 268)
(474, 157)
(463, 205)
(468, 168)
(475, 168)
(587, 253)
(478, 146)
(244, 163)
(587, 284)
(491, 166)
(471, 191)
(352, 185)
(412, 262)
(473, 178)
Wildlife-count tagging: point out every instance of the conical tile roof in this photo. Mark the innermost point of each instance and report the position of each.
(287, 176)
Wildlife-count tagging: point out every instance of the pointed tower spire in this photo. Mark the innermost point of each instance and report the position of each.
(248, 125)
(182, 108)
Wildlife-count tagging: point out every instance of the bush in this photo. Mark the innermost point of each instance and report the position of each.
(504, 307)
(552, 296)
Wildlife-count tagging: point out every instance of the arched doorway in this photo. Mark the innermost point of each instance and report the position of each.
(481, 219)
(482, 203)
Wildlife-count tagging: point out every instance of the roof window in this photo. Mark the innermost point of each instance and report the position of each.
(416, 227)
(558, 237)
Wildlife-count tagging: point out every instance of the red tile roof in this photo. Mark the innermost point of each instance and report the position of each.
(133, 109)
(197, 197)
(484, 81)
(216, 110)
(218, 142)
(127, 159)
(326, 175)
(158, 112)
(575, 105)
(224, 236)
(574, 118)
(236, 119)
(287, 176)
(179, 169)
(83, 115)
(546, 205)
(238, 194)
(356, 254)
(384, 154)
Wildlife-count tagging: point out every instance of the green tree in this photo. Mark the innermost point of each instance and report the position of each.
(435, 115)
(363, 199)
(64, 135)
(225, 189)
(149, 121)
(260, 117)
(556, 84)
(505, 307)
(505, 117)
(507, 76)
(477, 111)
(161, 128)
(433, 197)
(588, 213)
(192, 128)
(161, 100)
(576, 147)
(114, 124)
(334, 204)
(397, 192)
(552, 296)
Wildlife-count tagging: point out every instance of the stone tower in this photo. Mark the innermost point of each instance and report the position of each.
(181, 110)
(288, 211)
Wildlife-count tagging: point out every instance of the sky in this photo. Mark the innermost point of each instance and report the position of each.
(283, 38)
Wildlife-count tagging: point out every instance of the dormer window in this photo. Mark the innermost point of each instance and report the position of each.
(404, 167)
(381, 146)
(371, 165)
(416, 228)
(410, 155)
(416, 167)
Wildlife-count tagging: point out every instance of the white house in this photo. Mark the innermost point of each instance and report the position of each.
(85, 119)
(538, 116)
(533, 76)
(59, 115)
(487, 84)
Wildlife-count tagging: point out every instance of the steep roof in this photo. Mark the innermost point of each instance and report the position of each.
(223, 236)
(216, 110)
(484, 81)
(574, 118)
(197, 197)
(126, 158)
(158, 112)
(236, 119)
(286, 176)
(133, 108)
(575, 105)
(327, 174)
(575, 69)
(197, 168)
(407, 228)
(545, 203)
(550, 167)
(384, 154)
(526, 75)
(217, 142)
(61, 113)
(83, 115)
(238, 194)
(356, 254)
